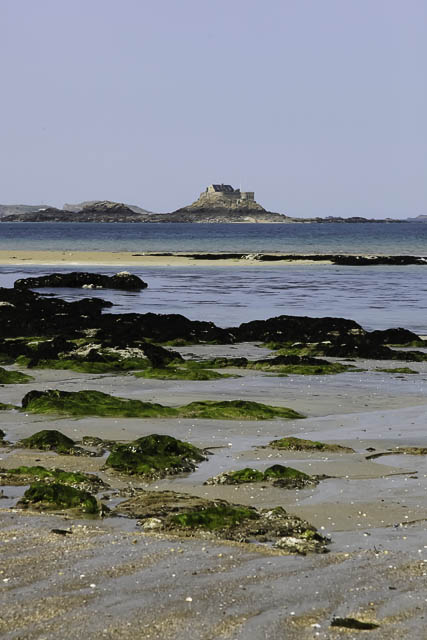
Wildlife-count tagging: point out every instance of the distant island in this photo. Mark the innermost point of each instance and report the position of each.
(219, 203)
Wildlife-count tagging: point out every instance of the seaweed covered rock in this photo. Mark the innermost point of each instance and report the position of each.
(241, 476)
(13, 377)
(364, 346)
(86, 356)
(298, 365)
(6, 406)
(183, 514)
(155, 456)
(222, 362)
(92, 403)
(180, 373)
(291, 443)
(141, 355)
(236, 410)
(278, 475)
(49, 440)
(57, 497)
(96, 403)
(291, 363)
(26, 475)
(78, 279)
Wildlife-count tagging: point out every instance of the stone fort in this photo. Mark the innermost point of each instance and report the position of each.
(225, 196)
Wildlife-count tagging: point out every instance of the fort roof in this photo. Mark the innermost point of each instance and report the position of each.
(227, 188)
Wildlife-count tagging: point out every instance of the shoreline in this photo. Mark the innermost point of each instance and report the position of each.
(128, 258)
(185, 259)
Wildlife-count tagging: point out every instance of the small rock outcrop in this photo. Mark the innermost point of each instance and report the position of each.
(57, 497)
(187, 515)
(155, 456)
(289, 328)
(278, 475)
(80, 279)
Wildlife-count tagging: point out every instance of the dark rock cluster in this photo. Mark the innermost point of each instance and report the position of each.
(25, 313)
(78, 279)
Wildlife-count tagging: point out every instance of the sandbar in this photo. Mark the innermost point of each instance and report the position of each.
(129, 259)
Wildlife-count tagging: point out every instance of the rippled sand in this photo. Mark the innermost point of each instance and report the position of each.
(108, 579)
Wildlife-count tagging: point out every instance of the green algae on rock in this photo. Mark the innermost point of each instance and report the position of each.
(299, 444)
(155, 456)
(13, 377)
(48, 440)
(92, 403)
(288, 477)
(84, 366)
(236, 410)
(96, 403)
(56, 496)
(356, 347)
(216, 517)
(187, 515)
(305, 369)
(176, 373)
(241, 476)
(7, 407)
(26, 475)
(282, 364)
(279, 475)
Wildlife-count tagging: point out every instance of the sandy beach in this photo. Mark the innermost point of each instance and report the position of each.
(109, 579)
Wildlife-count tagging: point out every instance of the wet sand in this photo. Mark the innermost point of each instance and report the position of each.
(127, 259)
(374, 510)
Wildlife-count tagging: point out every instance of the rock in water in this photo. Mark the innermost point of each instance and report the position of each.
(79, 279)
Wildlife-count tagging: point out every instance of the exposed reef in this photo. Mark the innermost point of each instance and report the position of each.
(339, 259)
(78, 279)
(183, 514)
(63, 322)
(27, 475)
(96, 403)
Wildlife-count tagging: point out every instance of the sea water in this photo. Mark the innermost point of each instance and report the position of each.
(377, 297)
(349, 238)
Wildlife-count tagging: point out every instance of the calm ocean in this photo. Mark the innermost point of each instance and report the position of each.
(382, 238)
(377, 297)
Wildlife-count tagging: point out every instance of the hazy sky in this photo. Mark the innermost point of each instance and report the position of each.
(319, 106)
